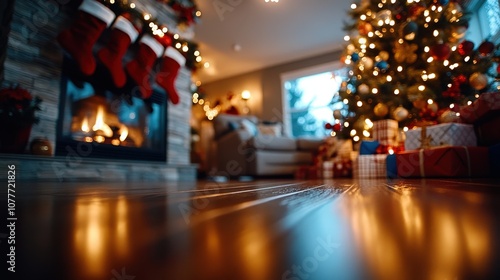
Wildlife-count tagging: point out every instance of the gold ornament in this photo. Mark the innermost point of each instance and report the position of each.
(433, 107)
(478, 81)
(405, 52)
(419, 103)
(381, 110)
(384, 55)
(400, 113)
(363, 89)
(367, 63)
(448, 116)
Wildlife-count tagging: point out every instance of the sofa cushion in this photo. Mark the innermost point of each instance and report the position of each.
(267, 142)
(249, 126)
(273, 129)
(225, 123)
(309, 144)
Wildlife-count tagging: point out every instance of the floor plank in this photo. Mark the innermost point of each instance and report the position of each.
(266, 229)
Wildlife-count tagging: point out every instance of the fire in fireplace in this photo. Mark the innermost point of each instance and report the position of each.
(114, 123)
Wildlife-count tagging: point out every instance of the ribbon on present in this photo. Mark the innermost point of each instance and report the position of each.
(388, 149)
(425, 141)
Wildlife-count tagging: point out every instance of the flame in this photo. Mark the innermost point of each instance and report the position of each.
(100, 125)
(85, 125)
(123, 133)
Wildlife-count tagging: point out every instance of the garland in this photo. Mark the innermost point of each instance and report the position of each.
(144, 22)
(187, 10)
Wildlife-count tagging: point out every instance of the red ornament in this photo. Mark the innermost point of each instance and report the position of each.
(441, 51)
(461, 79)
(465, 48)
(486, 48)
(415, 10)
(337, 127)
(328, 126)
(498, 69)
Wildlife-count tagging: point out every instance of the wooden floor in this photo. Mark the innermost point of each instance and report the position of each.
(272, 229)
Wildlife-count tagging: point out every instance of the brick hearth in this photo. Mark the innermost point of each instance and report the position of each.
(34, 61)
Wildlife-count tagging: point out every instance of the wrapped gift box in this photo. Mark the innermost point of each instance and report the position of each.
(342, 168)
(370, 166)
(327, 169)
(446, 134)
(386, 132)
(484, 105)
(484, 113)
(391, 165)
(444, 162)
(368, 147)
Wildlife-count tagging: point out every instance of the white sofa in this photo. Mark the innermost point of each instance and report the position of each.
(241, 150)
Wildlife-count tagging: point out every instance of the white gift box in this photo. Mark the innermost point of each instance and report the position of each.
(446, 134)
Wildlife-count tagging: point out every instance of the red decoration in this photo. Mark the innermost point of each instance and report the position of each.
(15, 140)
(465, 48)
(337, 127)
(328, 126)
(185, 13)
(444, 162)
(486, 48)
(415, 10)
(461, 79)
(342, 168)
(441, 51)
(386, 149)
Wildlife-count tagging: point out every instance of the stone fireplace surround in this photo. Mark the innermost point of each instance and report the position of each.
(34, 61)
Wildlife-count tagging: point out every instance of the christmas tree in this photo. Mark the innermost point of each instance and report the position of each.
(410, 61)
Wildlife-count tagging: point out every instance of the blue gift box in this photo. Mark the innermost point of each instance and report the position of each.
(392, 169)
(368, 147)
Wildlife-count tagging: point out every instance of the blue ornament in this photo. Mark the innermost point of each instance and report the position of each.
(355, 57)
(382, 65)
(444, 2)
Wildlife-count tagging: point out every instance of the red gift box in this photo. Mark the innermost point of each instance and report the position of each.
(451, 161)
(484, 113)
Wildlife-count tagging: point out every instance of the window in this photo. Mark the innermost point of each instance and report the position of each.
(485, 23)
(310, 97)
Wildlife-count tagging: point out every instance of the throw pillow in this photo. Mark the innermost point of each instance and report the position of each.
(233, 125)
(269, 129)
(249, 126)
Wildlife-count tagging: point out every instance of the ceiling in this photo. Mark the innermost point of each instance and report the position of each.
(267, 33)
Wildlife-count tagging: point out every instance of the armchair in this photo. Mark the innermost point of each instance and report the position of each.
(243, 149)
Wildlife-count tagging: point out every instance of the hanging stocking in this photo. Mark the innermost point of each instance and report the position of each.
(93, 17)
(139, 68)
(122, 34)
(172, 62)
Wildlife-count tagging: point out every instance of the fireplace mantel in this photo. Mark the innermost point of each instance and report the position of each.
(34, 60)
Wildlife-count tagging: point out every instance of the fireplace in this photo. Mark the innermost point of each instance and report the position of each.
(100, 121)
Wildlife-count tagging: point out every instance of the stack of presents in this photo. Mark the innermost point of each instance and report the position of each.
(465, 149)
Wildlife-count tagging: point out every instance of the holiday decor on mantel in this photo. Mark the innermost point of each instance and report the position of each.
(127, 24)
(17, 116)
(187, 11)
(410, 62)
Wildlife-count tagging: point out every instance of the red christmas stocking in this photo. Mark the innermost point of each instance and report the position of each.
(139, 68)
(172, 62)
(93, 17)
(122, 34)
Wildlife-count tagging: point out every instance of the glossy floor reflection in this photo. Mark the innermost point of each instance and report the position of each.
(274, 229)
